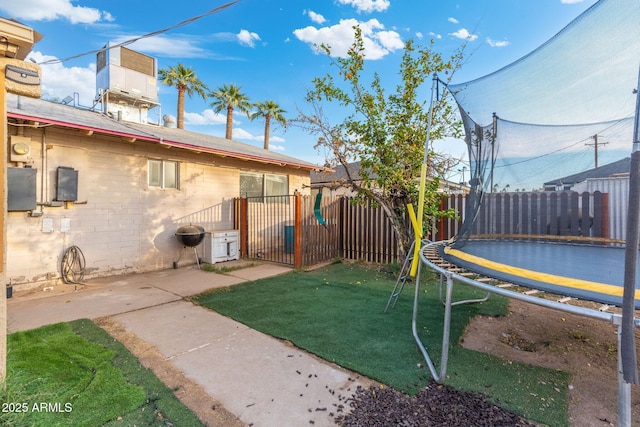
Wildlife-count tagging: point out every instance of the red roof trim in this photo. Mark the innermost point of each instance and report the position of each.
(161, 141)
(78, 126)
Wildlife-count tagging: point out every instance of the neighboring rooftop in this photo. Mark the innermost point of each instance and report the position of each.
(620, 167)
(337, 176)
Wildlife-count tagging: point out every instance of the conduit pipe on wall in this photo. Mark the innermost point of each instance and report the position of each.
(43, 170)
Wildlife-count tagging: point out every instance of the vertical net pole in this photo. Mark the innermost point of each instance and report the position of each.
(423, 180)
(629, 357)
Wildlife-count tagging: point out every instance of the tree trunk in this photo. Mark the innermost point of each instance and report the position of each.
(267, 129)
(180, 107)
(228, 134)
(403, 238)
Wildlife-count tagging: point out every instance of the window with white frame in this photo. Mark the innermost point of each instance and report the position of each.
(253, 184)
(163, 173)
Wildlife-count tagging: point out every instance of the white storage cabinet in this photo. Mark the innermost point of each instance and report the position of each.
(221, 245)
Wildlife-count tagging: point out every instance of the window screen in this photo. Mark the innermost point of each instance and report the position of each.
(163, 173)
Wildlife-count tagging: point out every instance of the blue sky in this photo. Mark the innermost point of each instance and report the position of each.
(267, 46)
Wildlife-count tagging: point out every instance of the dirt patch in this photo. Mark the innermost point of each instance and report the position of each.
(192, 395)
(586, 348)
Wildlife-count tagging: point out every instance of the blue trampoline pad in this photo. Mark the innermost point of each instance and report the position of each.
(590, 272)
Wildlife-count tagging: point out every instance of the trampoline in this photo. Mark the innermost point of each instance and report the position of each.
(561, 268)
(522, 126)
(588, 272)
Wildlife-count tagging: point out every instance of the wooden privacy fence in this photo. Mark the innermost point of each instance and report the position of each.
(319, 243)
(287, 230)
(565, 213)
(366, 233)
(446, 228)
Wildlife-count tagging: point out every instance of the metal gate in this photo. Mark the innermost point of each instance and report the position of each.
(288, 230)
(270, 228)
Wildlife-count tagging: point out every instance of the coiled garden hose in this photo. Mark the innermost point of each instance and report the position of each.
(72, 268)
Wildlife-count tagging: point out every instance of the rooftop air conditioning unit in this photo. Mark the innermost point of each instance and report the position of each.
(128, 75)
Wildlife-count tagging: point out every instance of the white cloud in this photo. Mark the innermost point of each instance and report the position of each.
(453, 20)
(367, 6)
(51, 10)
(173, 46)
(419, 35)
(464, 34)
(59, 81)
(387, 40)
(435, 35)
(207, 117)
(315, 17)
(377, 42)
(239, 133)
(247, 38)
(497, 43)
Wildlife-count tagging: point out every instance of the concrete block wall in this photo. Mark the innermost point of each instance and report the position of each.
(120, 223)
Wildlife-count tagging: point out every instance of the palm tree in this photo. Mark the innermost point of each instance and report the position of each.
(185, 80)
(269, 110)
(229, 97)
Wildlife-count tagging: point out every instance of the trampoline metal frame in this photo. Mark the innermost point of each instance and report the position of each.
(624, 388)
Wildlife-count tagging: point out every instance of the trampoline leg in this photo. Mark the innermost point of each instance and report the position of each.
(468, 301)
(446, 332)
(624, 389)
(446, 329)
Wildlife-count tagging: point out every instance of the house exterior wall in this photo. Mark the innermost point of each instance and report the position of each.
(120, 223)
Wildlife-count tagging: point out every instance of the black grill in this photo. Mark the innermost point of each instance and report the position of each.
(190, 235)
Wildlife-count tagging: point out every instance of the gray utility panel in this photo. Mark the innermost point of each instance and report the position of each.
(21, 189)
(67, 184)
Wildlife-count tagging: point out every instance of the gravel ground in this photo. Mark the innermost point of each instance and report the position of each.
(435, 405)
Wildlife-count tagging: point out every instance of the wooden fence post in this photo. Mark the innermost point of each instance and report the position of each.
(605, 216)
(341, 226)
(441, 232)
(243, 225)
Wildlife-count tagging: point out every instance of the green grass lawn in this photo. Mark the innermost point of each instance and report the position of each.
(337, 313)
(75, 374)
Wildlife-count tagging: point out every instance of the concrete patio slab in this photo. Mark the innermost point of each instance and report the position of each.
(88, 303)
(188, 282)
(262, 380)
